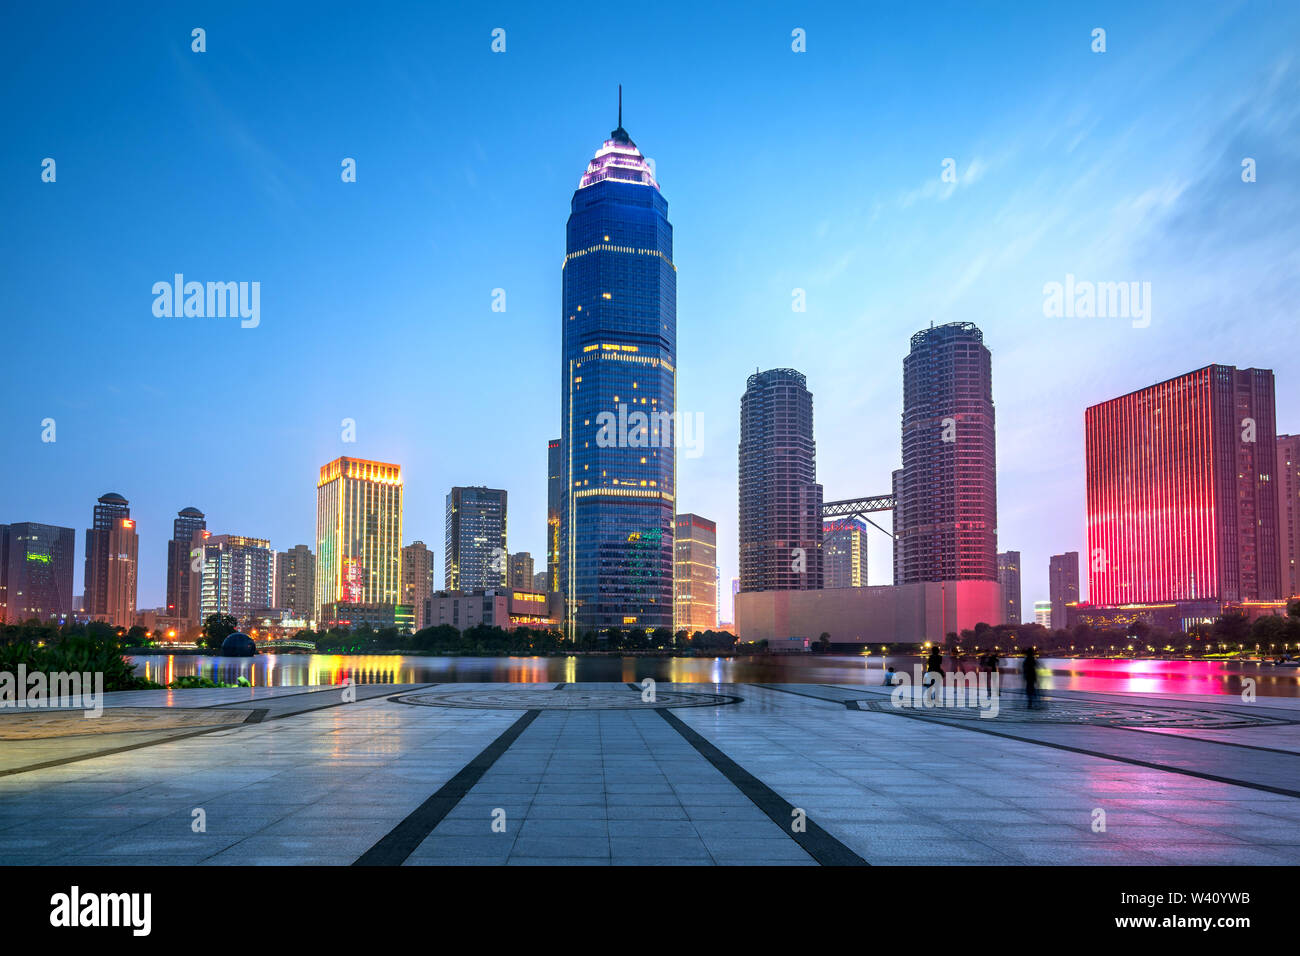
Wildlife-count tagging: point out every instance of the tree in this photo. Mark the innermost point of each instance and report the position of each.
(1268, 630)
(1231, 628)
(217, 628)
(440, 639)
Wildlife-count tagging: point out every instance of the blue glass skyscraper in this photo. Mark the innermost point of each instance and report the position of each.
(619, 381)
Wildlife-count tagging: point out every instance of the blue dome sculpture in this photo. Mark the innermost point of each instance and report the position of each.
(238, 645)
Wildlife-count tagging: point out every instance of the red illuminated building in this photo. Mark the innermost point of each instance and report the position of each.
(1181, 500)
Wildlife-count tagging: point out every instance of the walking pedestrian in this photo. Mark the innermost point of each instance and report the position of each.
(1030, 671)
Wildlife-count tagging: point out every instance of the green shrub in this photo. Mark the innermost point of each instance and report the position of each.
(96, 649)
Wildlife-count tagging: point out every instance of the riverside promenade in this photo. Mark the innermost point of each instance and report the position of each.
(599, 774)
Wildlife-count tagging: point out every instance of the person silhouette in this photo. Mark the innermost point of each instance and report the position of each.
(1030, 672)
(991, 665)
(934, 665)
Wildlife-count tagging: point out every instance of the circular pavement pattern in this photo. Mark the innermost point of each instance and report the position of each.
(566, 699)
(1069, 711)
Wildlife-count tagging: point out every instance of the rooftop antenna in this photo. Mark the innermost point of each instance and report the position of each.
(620, 135)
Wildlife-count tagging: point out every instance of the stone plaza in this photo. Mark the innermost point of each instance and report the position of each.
(627, 774)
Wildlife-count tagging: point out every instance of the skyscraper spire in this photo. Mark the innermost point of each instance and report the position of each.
(618, 158)
(620, 135)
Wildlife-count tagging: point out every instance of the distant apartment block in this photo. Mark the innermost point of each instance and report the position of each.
(181, 605)
(295, 582)
(520, 571)
(1063, 586)
(1009, 586)
(1288, 515)
(946, 513)
(554, 500)
(696, 556)
(780, 499)
(844, 553)
(237, 577)
(417, 578)
(1043, 613)
(112, 554)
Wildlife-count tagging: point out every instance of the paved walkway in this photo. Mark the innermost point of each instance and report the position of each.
(798, 774)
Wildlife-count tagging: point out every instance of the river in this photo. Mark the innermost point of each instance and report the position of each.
(1089, 674)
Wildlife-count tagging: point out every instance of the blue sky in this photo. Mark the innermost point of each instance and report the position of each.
(817, 170)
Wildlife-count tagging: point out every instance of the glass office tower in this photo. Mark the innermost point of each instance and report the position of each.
(618, 397)
(474, 554)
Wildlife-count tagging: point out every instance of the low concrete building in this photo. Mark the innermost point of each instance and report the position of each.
(888, 614)
(347, 614)
(506, 608)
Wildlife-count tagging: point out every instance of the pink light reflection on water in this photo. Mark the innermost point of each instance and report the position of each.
(1108, 675)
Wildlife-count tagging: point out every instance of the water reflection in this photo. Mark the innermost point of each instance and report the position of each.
(1092, 674)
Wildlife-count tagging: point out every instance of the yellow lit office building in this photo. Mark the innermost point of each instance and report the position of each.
(696, 573)
(358, 533)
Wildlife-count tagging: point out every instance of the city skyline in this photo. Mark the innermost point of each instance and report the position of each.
(1040, 400)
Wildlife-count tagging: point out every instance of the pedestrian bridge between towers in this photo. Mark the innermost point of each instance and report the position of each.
(859, 508)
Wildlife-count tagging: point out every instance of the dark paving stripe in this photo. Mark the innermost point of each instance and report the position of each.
(1166, 733)
(265, 697)
(816, 842)
(799, 693)
(291, 705)
(1121, 758)
(402, 840)
(1155, 697)
(560, 686)
(255, 717)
